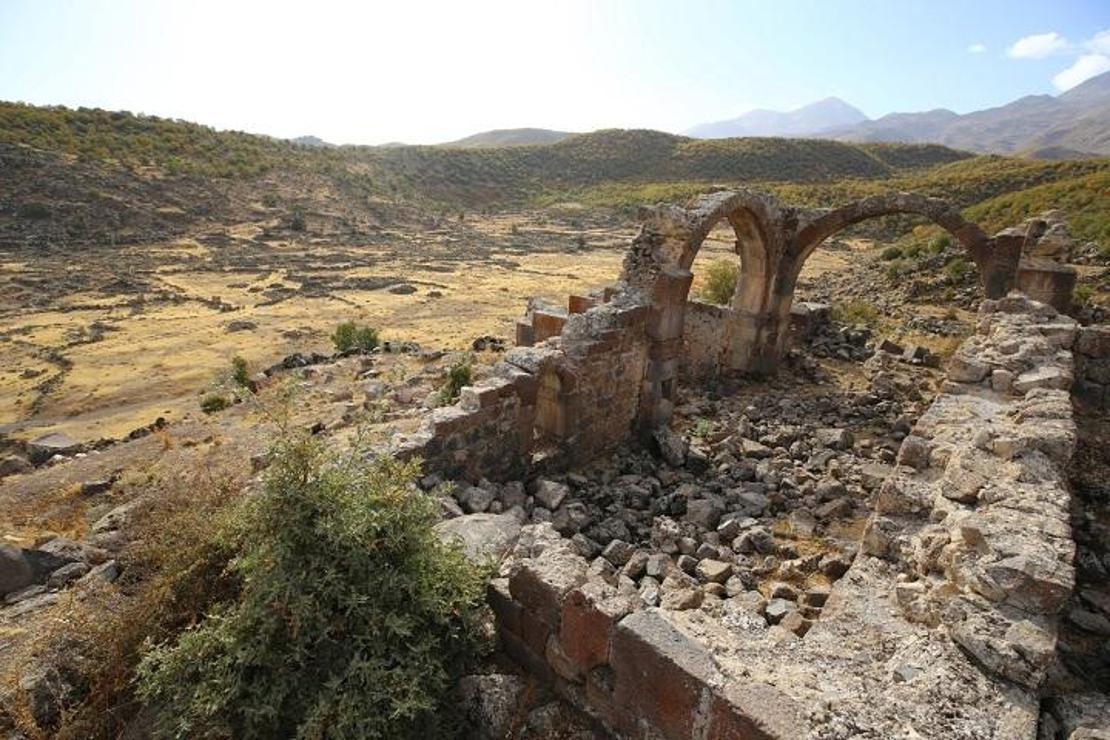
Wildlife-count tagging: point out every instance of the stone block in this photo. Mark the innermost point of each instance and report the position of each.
(589, 616)
(1093, 341)
(546, 325)
(580, 303)
(541, 584)
(755, 711)
(663, 678)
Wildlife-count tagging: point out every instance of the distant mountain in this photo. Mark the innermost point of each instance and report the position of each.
(1076, 122)
(509, 137)
(311, 141)
(814, 118)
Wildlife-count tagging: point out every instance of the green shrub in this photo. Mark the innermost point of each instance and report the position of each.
(297, 220)
(350, 336)
(270, 200)
(1082, 294)
(855, 312)
(891, 253)
(957, 269)
(939, 243)
(720, 282)
(240, 373)
(214, 402)
(34, 210)
(914, 251)
(353, 621)
(459, 375)
(898, 268)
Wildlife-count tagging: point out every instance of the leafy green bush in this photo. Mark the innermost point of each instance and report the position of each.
(958, 269)
(891, 253)
(855, 312)
(240, 374)
(1082, 294)
(214, 402)
(353, 621)
(939, 243)
(720, 282)
(914, 251)
(459, 375)
(350, 336)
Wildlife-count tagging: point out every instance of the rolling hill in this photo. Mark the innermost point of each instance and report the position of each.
(509, 137)
(93, 176)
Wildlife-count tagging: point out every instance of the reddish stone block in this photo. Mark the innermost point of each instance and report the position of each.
(663, 678)
(580, 303)
(589, 615)
(545, 325)
(525, 337)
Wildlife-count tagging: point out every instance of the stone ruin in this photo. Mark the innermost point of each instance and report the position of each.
(945, 622)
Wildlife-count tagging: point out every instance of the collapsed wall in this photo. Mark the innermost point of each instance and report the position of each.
(944, 626)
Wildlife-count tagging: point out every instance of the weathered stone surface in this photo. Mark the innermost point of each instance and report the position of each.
(483, 536)
(15, 570)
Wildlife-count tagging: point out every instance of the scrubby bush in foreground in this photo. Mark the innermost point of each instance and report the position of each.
(351, 336)
(353, 621)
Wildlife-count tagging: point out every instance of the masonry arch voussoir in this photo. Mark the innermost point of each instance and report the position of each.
(940, 212)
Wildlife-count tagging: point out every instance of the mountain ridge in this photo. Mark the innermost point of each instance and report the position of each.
(807, 120)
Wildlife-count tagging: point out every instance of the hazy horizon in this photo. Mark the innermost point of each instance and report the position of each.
(434, 72)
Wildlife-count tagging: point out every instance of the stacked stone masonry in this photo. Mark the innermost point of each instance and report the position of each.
(585, 378)
(944, 626)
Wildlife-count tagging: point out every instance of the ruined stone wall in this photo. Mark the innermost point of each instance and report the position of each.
(1092, 367)
(566, 399)
(977, 513)
(704, 340)
(488, 433)
(607, 349)
(629, 667)
(944, 625)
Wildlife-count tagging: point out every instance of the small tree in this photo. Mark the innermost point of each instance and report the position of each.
(459, 375)
(720, 282)
(354, 619)
(239, 372)
(350, 336)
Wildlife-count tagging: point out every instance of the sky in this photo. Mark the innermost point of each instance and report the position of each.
(417, 71)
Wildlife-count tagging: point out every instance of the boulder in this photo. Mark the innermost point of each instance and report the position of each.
(483, 536)
(47, 446)
(15, 570)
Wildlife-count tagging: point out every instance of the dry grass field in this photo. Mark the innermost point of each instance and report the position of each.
(134, 333)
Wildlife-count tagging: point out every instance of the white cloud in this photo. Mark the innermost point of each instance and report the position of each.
(1099, 43)
(1038, 46)
(976, 48)
(1085, 67)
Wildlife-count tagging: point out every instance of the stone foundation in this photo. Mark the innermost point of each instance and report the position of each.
(944, 626)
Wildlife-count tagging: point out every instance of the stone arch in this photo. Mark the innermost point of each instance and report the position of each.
(997, 262)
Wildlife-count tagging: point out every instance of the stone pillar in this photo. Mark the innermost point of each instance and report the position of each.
(998, 262)
(664, 332)
(1048, 282)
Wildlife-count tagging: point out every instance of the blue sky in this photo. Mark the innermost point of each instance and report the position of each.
(369, 72)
